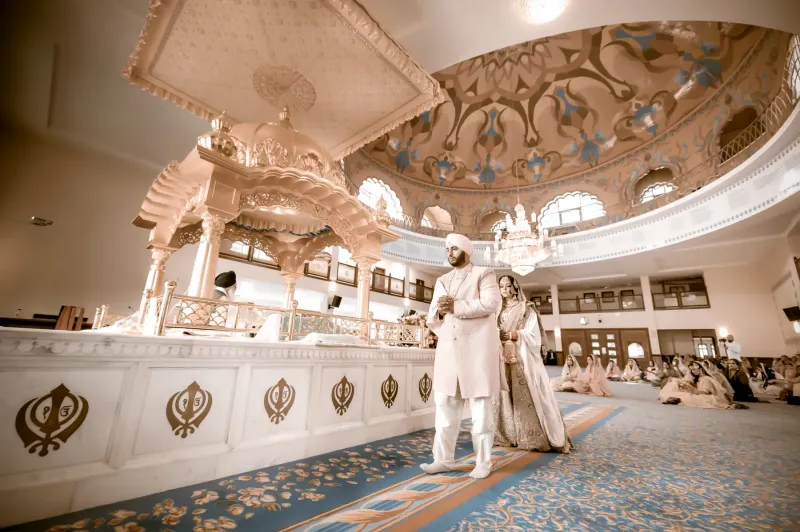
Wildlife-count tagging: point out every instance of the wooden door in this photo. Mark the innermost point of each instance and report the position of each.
(571, 339)
(636, 341)
(605, 344)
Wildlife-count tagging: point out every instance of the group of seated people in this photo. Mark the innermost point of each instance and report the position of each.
(632, 372)
(592, 380)
(689, 381)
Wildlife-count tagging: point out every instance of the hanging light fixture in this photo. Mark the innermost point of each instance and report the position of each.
(523, 246)
(542, 11)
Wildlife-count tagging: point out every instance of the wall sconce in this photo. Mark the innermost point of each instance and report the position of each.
(584, 321)
(723, 332)
(41, 222)
(332, 286)
(796, 326)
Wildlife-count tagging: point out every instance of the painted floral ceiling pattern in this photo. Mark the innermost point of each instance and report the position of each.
(546, 109)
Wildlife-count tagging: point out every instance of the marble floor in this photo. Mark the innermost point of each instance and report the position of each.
(638, 465)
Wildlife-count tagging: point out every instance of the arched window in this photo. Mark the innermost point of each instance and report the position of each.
(491, 221)
(793, 65)
(571, 208)
(437, 218)
(655, 190)
(499, 225)
(372, 189)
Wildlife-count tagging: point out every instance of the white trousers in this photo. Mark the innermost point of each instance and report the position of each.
(448, 422)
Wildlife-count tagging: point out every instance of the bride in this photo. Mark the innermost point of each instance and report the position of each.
(527, 415)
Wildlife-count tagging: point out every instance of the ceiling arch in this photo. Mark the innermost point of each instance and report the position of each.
(487, 26)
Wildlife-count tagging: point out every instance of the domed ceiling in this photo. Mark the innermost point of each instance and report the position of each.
(554, 107)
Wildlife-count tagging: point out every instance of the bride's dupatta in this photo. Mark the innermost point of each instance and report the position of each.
(524, 319)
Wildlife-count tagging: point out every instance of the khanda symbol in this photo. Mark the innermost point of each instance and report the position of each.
(44, 422)
(425, 387)
(389, 391)
(187, 409)
(342, 395)
(278, 401)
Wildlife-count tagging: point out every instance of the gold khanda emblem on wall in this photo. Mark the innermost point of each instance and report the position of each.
(389, 390)
(47, 422)
(187, 409)
(342, 395)
(425, 387)
(279, 400)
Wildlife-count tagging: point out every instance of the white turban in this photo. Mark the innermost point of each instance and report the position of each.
(461, 242)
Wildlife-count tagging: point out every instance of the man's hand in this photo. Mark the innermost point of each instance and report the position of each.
(445, 305)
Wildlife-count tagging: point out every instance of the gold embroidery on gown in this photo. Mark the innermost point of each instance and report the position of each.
(516, 421)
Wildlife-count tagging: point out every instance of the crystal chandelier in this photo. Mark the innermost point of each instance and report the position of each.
(523, 246)
(542, 11)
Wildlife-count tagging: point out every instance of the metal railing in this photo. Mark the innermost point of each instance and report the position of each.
(173, 311)
(676, 300)
(601, 304)
(724, 159)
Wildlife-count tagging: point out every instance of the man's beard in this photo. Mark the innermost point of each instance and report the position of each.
(458, 260)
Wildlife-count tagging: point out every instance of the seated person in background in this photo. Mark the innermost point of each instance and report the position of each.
(790, 371)
(699, 390)
(633, 373)
(683, 364)
(720, 375)
(739, 382)
(592, 381)
(779, 367)
(650, 371)
(571, 372)
(613, 372)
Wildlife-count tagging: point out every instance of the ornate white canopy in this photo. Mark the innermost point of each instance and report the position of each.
(346, 81)
(266, 185)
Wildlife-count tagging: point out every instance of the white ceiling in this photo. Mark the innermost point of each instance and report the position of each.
(440, 33)
(63, 62)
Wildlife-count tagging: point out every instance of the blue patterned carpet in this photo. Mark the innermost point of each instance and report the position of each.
(644, 466)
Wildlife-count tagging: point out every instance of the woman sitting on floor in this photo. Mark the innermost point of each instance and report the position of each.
(527, 415)
(592, 381)
(613, 372)
(699, 390)
(739, 383)
(633, 373)
(570, 373)
(716, 372)
(651, 371)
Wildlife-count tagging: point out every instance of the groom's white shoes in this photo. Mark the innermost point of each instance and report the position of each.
(434, 468)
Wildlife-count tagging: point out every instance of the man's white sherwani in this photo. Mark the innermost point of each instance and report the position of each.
(468, 360)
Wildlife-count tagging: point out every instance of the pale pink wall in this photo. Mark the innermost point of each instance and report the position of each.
(741, 301)
(92, 254)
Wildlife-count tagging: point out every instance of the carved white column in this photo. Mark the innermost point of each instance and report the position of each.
(290, 278)
(364, 287)
(205, 263)
(652, 325)
(155, 277)
(558, 347)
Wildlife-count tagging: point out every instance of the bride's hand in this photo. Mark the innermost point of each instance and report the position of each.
(504, 336)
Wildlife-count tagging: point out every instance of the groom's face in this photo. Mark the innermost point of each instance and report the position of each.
(456, 257)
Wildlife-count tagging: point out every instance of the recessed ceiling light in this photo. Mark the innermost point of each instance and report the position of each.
(542, 11)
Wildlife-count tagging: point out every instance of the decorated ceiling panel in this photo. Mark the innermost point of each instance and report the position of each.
(555, 107)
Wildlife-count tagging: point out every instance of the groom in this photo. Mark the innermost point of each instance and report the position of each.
(463, 315)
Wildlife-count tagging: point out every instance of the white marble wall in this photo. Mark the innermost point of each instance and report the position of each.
(129, 399)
